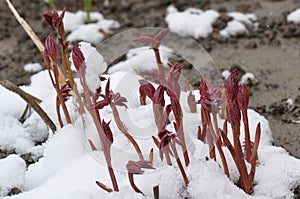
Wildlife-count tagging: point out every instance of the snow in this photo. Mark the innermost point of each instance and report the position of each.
(75, 23)
(294, 16)
(65, 146)
(198, 23)
(68, 162)
(240, 24)
(95, 64)
(233, 28)
(33, 67)
(225, 74)
(91, 32)
(290, 103)
(68, 168)
(248, 78)
(141, 59)
(12, 174)
(192, 22)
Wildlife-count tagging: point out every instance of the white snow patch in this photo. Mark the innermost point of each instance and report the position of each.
(33, 67)
(12, 174)
(91, 32)
(141, 59)
(248, 78)
(64, 147)
(294, 16)
(95, 64)
(225, 74)
(192, 22)
(240, 24)
(80, 31)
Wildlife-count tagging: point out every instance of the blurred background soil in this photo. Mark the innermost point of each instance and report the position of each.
(272, 53)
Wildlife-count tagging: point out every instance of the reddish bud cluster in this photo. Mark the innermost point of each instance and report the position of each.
(109, 97)
(54, 20)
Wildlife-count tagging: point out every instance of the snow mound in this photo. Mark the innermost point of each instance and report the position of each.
(12, 174)
(192, 22)
(33, 67)
(294, 16)
(241, 23)
(75, 23)
(141, 59)
(198, 23)
(69, 169)
(95, 64)
(248, 78)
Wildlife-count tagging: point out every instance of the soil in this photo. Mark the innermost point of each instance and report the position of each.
(272, 53)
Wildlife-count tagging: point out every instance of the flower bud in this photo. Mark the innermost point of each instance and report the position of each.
(243, 97)
(232, 85)
(78, 59)
(51, 50)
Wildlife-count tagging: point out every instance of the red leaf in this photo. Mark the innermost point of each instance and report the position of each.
(100, 104)
(159, 36)
(107, 131)
(144, 40)
(146, 88)
(158, 97)
(119, 100)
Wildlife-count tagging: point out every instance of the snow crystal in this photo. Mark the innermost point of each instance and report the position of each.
(12, 174)
(294, 16)
(192, 22)
(33, 67)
